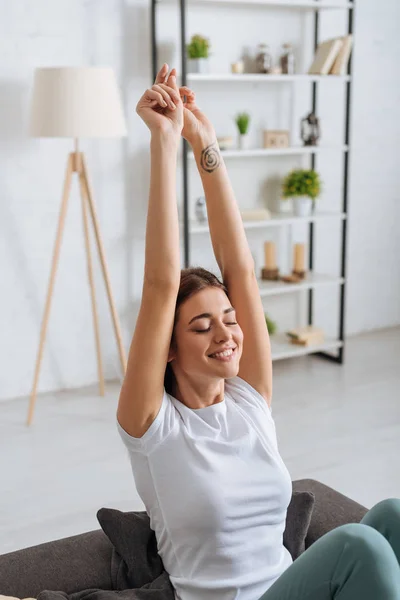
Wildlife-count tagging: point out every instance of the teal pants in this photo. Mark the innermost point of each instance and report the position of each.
(358, 561)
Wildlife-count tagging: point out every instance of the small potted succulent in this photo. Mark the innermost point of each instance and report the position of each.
(242, 121)
(271, 325)
(198, 52)
(303, 186)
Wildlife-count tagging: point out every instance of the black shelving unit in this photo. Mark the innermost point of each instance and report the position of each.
(337, 357)
(185, 149)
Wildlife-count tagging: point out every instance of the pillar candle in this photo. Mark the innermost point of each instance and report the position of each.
(269, 255)
(298, 259)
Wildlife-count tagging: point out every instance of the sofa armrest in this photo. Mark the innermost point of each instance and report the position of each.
(71, 564)
(331, 508)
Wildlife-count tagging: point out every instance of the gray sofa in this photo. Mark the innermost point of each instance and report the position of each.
(83, 561)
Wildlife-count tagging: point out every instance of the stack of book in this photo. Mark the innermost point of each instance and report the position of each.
(332, 57)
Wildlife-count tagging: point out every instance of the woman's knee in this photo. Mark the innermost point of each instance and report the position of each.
(363, 541)
(384, 513)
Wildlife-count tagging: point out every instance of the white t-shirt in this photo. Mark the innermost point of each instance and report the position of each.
(216, 491)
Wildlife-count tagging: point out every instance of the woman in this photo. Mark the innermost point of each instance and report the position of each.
(195, 406)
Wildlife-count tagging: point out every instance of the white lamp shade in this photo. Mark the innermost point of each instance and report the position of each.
(76, 102)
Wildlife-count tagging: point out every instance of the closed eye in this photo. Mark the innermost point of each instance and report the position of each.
(206, 330)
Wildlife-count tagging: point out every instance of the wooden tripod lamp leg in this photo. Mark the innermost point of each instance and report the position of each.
(96, 226)
(91, 280)
(56, 253)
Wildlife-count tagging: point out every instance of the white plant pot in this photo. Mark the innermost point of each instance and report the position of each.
(244, 141)
(198, 65)
(302, 206)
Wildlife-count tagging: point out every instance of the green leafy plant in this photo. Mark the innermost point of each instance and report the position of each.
(242, 121)
(271, 325)
(199, 47)
(301, 182)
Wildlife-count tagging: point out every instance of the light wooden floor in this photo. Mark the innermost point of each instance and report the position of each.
(340, 425)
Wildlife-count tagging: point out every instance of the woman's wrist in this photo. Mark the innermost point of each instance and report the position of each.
(168, 140)
(203, 141)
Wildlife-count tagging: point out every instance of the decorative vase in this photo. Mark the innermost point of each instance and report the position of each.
(198, 65)
(302, 206)
(244, 141)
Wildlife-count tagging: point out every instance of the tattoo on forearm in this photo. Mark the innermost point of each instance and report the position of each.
(210, 158)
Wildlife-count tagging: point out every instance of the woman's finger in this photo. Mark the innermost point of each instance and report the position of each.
(153, 95)
(172, 80)
(164, 94)
(162, 73)
(173, 73)
(188, 98)
(171, 93)
(187, 89)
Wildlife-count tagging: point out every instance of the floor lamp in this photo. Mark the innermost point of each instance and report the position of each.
(77, 102)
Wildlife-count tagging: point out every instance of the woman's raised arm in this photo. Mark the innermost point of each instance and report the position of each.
(141, 394)
(165, 121)
(226, 228)
(230, 247)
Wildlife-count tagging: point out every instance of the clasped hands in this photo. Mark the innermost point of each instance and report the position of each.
(172, 111)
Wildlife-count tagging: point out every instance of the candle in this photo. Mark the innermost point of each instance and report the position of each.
(269, 255)
(298, 259)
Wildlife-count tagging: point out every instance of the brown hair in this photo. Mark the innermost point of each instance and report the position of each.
(193, 280)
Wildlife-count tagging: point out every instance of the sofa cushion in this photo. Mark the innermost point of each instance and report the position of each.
(298, 520)
(136, 544)
(136, 561)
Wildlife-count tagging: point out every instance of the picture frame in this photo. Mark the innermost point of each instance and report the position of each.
(278, 138)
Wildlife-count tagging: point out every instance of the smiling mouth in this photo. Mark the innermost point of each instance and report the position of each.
(224, 358)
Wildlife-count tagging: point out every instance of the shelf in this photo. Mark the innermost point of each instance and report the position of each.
(281, 347)
(275, 221)
(312, 281)
(291, 4)
(302, 5)
(261, 77)
(291, 151)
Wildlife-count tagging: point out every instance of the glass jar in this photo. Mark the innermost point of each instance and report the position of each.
(287, 60)
(263, 59)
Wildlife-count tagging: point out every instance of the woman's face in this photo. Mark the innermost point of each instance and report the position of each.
(207, 324)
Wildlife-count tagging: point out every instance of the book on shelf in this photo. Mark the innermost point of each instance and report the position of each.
(325, 56)
(339, 67)
(306, 336)
(260, 214)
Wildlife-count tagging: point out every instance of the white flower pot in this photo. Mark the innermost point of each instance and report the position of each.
(198, 65)
(244, 141)
(302, 206)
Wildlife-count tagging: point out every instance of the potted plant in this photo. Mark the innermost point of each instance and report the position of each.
(303, 186)
(242, 121)
(271, 325)
(198, 51)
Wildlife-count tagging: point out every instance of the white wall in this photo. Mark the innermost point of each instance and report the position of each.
(116, 33)
(374, 240)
